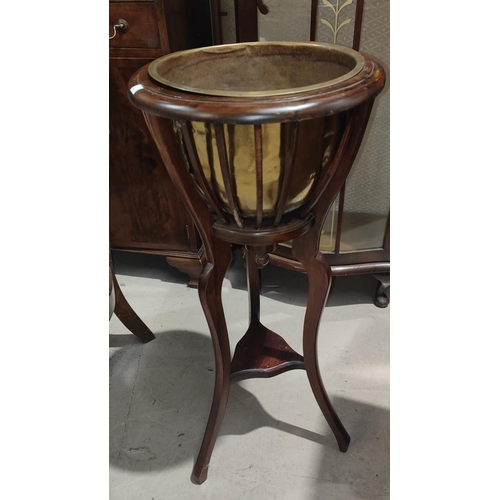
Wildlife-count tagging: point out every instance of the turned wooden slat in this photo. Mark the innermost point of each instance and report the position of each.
(231, 150)
(226, 177)
(330, 191)
(245, 14)
(314, 19)
(358, 23)
(329, 171)
(162, 132)
(230, 155)
(187, 134)
(259, 175)
(338, 232)
(290, 151)
(217, 22)
(253, 281)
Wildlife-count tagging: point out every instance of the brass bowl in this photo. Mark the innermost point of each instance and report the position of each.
(257, 69)
(316, 142)
(258, 122)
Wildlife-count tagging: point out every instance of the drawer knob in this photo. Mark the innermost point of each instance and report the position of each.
(121, 25)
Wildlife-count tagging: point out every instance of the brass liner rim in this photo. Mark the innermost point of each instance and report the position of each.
(153, 69)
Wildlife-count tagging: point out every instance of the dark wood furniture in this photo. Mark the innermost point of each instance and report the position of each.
(346, 21)
(339, 112)
(146, 214)
(145, 211)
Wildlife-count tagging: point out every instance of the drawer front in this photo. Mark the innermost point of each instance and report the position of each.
(143, 30)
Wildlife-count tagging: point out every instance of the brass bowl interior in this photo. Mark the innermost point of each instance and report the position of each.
(257, 69)
(317, 142)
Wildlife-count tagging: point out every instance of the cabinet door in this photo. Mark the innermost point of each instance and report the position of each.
(363, 213)
(145, 211)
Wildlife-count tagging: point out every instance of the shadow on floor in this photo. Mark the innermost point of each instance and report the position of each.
(160, 396)
(277, 283)
(147, 266)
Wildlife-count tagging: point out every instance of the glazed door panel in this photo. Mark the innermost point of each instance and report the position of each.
(365, 207)
(358, 220)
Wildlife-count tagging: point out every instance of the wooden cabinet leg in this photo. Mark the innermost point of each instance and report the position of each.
(128, 316)
(192, 267)
(381, 299)
(209, 290)
(319, 277)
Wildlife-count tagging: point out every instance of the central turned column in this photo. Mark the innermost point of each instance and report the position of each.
(260, 352)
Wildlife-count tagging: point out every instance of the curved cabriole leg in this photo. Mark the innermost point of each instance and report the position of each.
(216, 262)
(209, 290)
(129, 317)
(305, 248)
(319, 276)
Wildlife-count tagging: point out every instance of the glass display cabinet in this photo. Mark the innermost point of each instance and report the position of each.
(355, 236)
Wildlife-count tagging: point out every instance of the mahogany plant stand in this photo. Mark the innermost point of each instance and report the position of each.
(261, 352)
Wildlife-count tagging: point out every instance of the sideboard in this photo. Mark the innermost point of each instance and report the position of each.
(145, 212)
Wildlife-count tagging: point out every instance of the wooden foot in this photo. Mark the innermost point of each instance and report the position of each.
(191, 267)
(318, 273)
(381, 299)
(128, 316)
(209, 290)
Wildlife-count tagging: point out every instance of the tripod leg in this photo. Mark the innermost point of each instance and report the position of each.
(128, 316)
(209, 290)
(319, 276)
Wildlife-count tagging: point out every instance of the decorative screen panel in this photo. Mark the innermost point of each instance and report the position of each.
(367, 198)
(335, 21)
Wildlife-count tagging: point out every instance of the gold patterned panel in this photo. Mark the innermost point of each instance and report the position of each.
(335, 22)
(338, 23)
